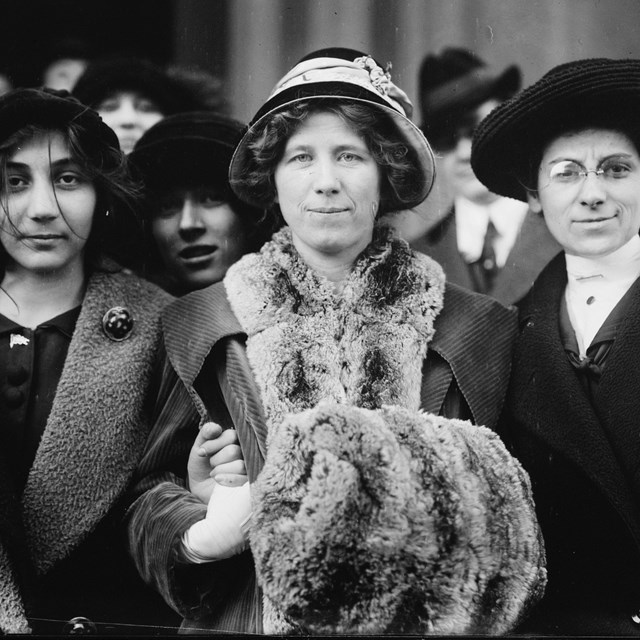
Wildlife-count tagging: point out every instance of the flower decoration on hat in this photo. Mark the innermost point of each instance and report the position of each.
(380, 79)
(117, 324)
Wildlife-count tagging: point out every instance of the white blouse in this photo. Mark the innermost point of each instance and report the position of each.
(596, 285)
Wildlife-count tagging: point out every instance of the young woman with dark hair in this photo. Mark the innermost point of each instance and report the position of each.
(78, 338)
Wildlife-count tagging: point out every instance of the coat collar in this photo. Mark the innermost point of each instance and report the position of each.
(473, 329)
(558, 410)
(196, 322)
(98, 422)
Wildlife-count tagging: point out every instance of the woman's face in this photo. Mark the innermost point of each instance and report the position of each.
(328, 188)
(48, 207)
(129, 114)
(198, 235)
(592, 215)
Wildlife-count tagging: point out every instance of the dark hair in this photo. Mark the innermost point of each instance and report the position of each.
(401, 174)
(116, 230)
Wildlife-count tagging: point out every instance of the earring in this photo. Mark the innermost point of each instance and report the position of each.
(106, 213)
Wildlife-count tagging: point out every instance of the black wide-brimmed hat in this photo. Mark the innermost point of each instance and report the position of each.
(187, 148)
(596, 92)
(338, 73)
(456, 81)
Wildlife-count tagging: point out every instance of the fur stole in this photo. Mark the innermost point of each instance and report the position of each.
(364, 347)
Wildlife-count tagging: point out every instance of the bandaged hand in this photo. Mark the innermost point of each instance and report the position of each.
(224, 531)
(215, 457)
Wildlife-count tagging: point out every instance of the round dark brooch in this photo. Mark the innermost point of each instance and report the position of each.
(117, 323)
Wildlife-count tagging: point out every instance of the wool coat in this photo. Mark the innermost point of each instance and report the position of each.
(207, 375)
(584, 463)
(60, 552)
(533, 249)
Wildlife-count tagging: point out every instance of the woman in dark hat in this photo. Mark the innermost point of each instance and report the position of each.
(131, 95)
(316, 359)
(78, 338)
(197, 227)
(569, 145)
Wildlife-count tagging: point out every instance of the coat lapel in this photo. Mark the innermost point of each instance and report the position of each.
(533, 249)
(548, 394)
(617, 393)
(441, 244)
(97, 426)
(462, 338)
(193, 325)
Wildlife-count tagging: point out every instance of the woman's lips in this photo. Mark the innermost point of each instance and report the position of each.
(197, 254)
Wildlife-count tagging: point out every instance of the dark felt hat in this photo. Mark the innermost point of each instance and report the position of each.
(456, 81)
(194, 147)
(598, 92)
(339, 73)
(107, 76)
(51, 109)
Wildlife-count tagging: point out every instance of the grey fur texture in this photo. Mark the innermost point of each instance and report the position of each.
(393, 521)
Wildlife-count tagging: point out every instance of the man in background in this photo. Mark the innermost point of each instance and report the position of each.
(484, 242)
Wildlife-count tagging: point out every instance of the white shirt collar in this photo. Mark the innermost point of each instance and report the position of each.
(472, 219)
(596, 285)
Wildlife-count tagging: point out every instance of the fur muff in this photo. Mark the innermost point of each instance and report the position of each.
(393, 521)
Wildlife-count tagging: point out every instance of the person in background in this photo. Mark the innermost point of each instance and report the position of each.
(197, 227)
(569, 146)
(66, 62)
(483, 241)
(320, 355)
(78, 340)
(131, 95)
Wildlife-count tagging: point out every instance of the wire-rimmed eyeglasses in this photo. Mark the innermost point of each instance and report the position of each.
(571, 172)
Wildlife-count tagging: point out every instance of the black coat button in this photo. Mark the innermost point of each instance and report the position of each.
(13, 397)
(16, 375)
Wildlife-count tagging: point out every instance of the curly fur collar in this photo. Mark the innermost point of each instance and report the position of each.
(363, 347)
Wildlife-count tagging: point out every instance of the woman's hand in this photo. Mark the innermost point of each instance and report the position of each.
(215, 457)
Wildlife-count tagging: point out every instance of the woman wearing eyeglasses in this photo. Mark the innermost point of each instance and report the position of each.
(569, 145)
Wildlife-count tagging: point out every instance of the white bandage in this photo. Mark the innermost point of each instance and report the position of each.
(224, 531)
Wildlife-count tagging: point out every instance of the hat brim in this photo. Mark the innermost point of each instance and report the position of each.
(331, 90)
(469, 92)
(516, 132)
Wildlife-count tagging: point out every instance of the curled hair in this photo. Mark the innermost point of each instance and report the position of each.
(116, 230)
(402, 178)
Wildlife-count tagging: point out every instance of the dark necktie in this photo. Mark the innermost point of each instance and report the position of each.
(484, 270)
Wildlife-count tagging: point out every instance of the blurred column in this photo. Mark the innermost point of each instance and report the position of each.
(254, 53)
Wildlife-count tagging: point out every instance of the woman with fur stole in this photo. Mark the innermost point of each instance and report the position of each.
(350, 385)
(79, 337)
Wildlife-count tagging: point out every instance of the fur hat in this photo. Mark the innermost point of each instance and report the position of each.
(456, 82)
(510, 141)
(392, 521)
(343, 74)
(105, 77)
